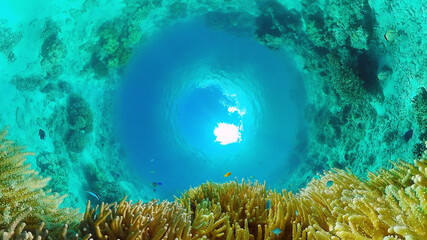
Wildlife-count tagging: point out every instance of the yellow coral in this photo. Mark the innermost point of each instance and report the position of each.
(125, 220)
(21, 188)
(392, 204)
(15, 230)
(229, 202)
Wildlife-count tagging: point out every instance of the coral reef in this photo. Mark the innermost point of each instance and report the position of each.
(29, 83)
(344, 130)
(105, 186)
(76, 141)
(240, 23)
(276, 24)
(420, 107)
(151, 220)
(116, 39)
(23, 197)
(16, 230)
(79, 115)
(56, 90)
(346, 83)
(80, 118)
(8, 40)
(391, 204)
(342, 23)
(53, 166)
(228, 210)
(53, 51)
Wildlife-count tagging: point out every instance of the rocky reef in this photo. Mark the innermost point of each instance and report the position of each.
(391, 204)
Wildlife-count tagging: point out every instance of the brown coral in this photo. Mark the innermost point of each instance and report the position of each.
(392, 204)
(21, 188)
(230, 210)
(125, 220)
(15, 230)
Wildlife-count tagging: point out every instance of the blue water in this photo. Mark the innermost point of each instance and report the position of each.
(181, 85)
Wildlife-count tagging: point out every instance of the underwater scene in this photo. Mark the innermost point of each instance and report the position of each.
(213, 119)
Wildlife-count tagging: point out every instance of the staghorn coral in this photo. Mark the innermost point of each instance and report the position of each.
(23, 197)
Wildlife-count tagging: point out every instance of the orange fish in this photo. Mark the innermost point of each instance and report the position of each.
(227, 174)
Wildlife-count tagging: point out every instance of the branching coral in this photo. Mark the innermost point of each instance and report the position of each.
(16, 231)
(151, 220)
(21, 188)
(391, 204)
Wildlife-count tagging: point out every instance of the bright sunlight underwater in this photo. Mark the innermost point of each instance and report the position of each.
(213, 119)
(197, 104)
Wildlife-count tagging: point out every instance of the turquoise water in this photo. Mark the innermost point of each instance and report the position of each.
(180, 87)
(147, 98)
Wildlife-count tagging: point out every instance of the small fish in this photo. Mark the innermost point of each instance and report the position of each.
(156, 184)
(329, 183)
(390, 35)
(268, 204)
(408, 135)
(277, 231)
(227, 174)
(152, 160)
(42, 134)
(251, 176)
(152, 171)
(93, 195)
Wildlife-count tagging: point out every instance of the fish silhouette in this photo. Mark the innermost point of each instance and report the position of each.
(42, 134)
